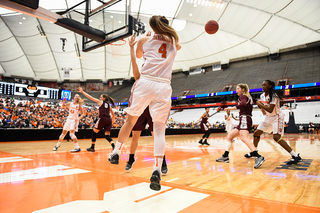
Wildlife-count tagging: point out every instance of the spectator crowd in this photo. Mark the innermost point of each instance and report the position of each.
(37, 114)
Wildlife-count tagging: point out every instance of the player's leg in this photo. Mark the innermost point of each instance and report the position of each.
(159, 110)
(61, 137)
(225, 157)
(295, 157)
(133, 148)
(109, 139)
(75, 140)
(124, 134)
(206, 136)
(94, 137)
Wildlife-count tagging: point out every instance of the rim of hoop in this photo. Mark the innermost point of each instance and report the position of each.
(124, 42)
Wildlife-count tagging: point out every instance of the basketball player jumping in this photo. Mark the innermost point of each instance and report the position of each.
(145, 117)
(273, 120)
(153, 89)
(245, 123)
(72, 122)
(104, 122)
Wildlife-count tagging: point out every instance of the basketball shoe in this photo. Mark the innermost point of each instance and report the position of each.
(129, 164)
(295, 160)
(164, 168)
(223, 159)
(114, 158)
(76, 150)
(259, 161)
(155, 181)
(200, 142)
(91, 149)
(205, 142)
(55, 148)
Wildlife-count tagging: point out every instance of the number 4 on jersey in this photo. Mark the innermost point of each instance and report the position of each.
(163, 50)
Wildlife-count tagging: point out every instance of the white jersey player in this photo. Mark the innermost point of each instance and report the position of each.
(72, 122)
(273, 120)
(153, 89)
(228, 117)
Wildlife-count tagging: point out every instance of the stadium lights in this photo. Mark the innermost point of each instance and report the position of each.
(206, 3)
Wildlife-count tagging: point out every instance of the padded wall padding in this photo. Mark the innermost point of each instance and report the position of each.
(82, 29)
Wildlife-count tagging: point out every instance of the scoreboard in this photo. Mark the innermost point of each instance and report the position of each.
(33, 91)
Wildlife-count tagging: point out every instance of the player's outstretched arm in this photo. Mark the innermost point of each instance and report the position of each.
(135, 70)
(89, 96)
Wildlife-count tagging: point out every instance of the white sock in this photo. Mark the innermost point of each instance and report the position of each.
(58, 144)
(293, 154)
(76, 145)
(118, 147)
(157, 164)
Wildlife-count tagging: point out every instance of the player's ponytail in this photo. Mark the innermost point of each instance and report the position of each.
(246, 89)
(108, 99)
(160, 25)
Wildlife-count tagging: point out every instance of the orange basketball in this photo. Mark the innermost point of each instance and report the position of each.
(211, 27)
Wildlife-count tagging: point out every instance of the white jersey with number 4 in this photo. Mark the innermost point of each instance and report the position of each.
(159, 54)
(73, 111)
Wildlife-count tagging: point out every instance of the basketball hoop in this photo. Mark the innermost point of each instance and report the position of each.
(116, 48)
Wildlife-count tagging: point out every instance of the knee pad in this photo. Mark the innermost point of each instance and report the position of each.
(109, 138)
(258, 137)
(72, 136)
(62, 136)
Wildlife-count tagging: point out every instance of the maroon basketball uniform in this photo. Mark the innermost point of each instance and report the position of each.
(245, 107)
(204, 123)
(142, 121)
(104, 117)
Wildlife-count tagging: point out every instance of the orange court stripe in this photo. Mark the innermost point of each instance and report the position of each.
(146, 198)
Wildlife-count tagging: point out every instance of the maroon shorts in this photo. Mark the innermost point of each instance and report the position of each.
(204, 127)
(142, 121)
(104, 122)
(245, 123)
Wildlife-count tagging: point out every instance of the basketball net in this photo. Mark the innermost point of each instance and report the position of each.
(116, 48)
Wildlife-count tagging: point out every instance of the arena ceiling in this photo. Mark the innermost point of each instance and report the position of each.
(247, 28)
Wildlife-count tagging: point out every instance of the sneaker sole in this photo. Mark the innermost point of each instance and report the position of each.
(155, 183)
(91, 151)
(227, 161)
(256, 167)
(114, 161)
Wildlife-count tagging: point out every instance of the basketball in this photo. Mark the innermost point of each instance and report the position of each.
(211, 27)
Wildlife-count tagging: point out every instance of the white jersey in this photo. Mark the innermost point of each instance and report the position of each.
(228, 121)
(275, 100)
(73, 111)
(159, 54)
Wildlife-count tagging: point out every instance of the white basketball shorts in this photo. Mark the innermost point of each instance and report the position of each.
(153, 92)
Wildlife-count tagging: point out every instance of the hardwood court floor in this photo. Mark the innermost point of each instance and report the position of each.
(33, 178)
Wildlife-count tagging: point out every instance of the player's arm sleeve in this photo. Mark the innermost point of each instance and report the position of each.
(243, 102)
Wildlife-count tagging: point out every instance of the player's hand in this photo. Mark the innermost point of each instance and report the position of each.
(132, 41)
(226, 109)
(80, 89)
(148, 33)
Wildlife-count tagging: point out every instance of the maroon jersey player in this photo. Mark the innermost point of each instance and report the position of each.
(205, 127)
(244, 105)
(105, 121)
